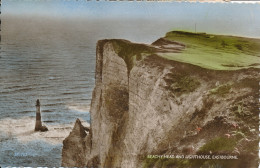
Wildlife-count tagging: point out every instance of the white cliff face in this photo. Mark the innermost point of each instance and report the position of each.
(157, 108)
(153, 112)
(109, 93)
(146, 95)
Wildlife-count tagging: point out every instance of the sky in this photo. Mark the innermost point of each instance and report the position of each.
(82, 8)
(229, 15)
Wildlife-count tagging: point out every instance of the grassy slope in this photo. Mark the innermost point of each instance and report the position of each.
(215, 51)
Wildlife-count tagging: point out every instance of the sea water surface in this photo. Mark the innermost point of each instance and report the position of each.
(52, 60)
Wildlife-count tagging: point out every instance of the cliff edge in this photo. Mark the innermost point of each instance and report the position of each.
(149, 101)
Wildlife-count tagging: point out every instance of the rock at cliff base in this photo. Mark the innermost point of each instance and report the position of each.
(43, 128)
(73, 152)
(79, 129)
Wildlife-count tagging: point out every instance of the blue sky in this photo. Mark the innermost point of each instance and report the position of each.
(62, 8)
(223, 15)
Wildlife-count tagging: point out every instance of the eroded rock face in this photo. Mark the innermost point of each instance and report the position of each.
(159, 107)
(74, 147)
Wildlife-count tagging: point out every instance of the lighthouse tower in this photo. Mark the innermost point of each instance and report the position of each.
(38, 124)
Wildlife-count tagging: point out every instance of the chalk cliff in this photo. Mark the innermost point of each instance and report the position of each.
(144, 104)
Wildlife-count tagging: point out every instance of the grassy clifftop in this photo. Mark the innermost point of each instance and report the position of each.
(217, 52)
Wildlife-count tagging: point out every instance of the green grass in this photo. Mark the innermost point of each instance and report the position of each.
(209, 51)
(221, 90)
(219, 144)
(149, 163)
(216, 52)
(245, 112)
(181, 83)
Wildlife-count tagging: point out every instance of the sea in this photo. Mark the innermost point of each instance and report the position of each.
(53, 60)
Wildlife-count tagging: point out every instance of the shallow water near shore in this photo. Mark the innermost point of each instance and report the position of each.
(54, 61)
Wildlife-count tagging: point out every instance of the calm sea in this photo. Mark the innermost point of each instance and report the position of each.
(52, 60)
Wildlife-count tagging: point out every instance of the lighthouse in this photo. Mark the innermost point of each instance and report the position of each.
(38, 124)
